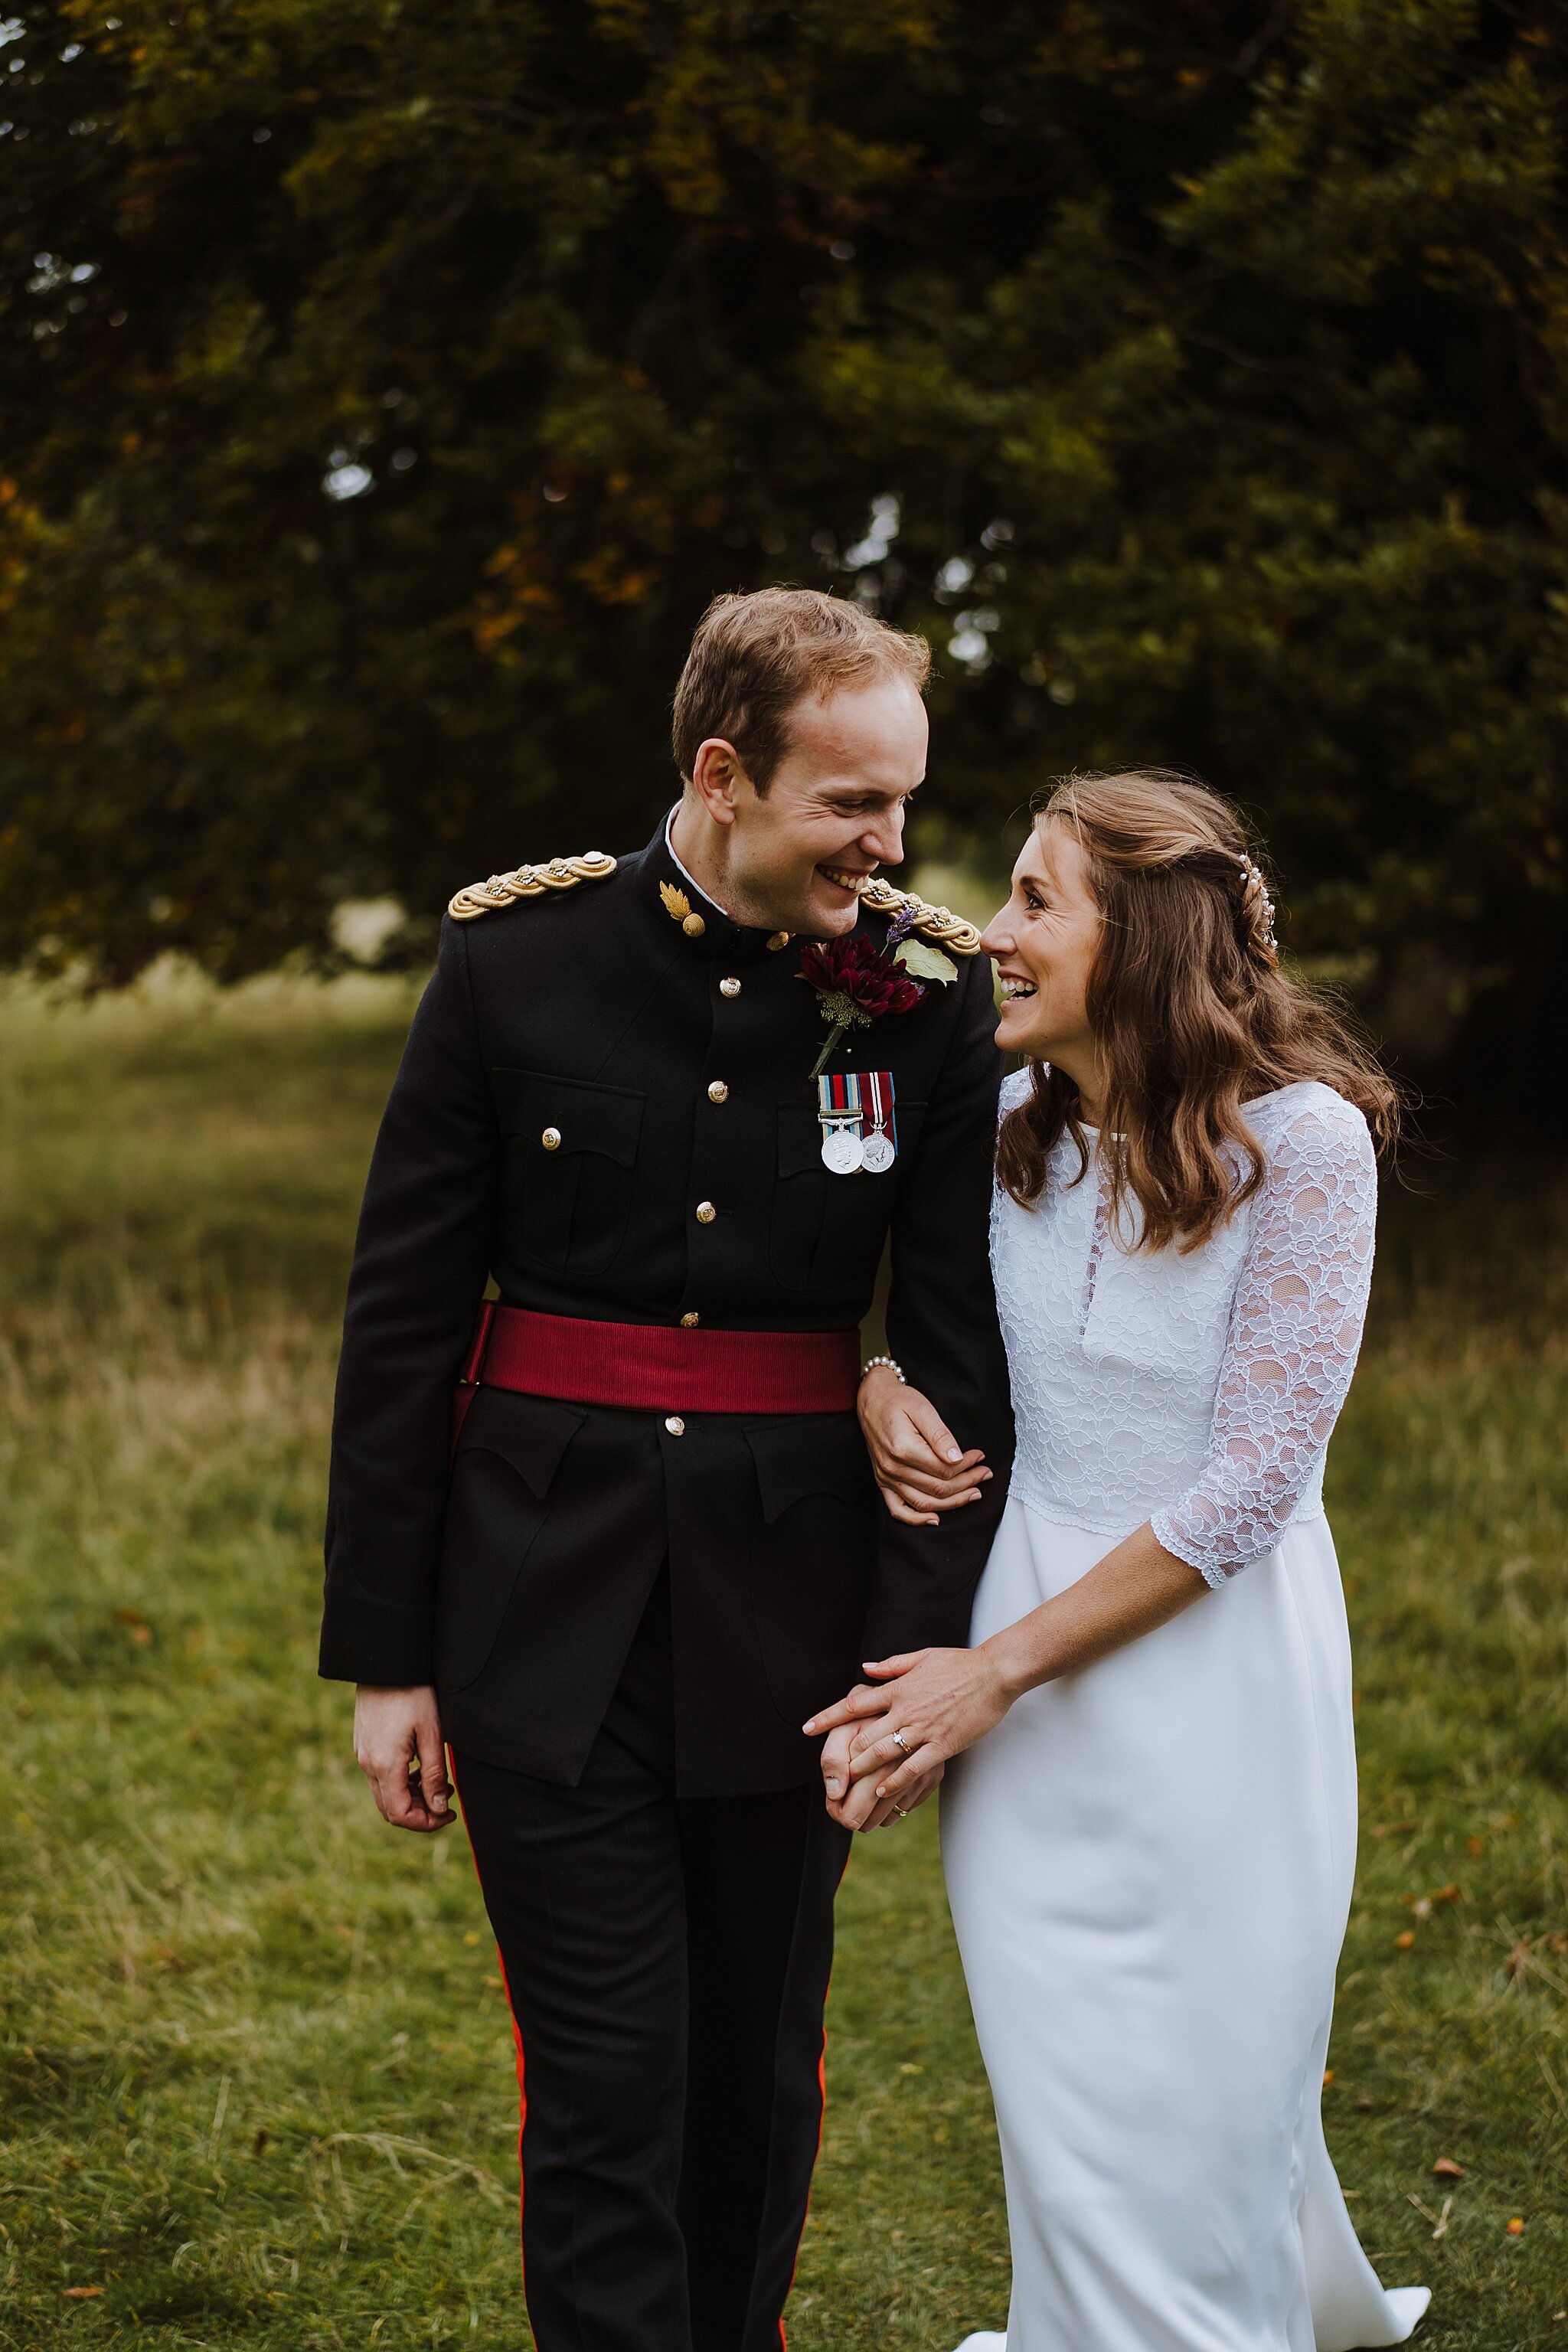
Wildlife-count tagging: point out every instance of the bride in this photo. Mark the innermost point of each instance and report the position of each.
(1150, 1837)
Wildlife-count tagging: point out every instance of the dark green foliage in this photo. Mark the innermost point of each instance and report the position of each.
(1213, 355)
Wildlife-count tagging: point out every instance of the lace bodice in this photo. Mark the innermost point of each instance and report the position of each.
(1198, 1392)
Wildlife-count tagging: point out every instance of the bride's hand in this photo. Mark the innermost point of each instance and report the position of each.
(919, 1464)
(933, 1704)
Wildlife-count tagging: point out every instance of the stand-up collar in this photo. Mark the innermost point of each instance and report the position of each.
(675, 899)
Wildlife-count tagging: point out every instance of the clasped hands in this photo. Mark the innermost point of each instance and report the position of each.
(887, 1740)
(890, 1739)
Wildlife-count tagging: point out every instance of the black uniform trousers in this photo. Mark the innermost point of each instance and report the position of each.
(666, 1961)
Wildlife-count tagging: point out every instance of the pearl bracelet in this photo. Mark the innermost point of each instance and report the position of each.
(873, 1363)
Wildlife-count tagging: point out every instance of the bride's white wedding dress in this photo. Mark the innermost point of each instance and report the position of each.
(1150, 1863)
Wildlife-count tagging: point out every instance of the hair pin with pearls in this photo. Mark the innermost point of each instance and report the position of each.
(1252, 877)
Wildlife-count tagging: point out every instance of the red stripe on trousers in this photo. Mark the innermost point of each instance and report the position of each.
(521, 2061)
(821, 2127)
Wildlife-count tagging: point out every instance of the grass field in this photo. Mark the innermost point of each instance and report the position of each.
(256, 2083)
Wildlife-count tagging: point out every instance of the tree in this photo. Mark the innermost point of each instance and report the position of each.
(387, 386)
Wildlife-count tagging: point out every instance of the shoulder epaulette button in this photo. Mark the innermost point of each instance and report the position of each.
(529, 882)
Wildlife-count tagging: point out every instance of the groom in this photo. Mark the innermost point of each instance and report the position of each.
(658, 1547)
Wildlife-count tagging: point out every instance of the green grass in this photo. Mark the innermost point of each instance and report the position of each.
(257, 2068)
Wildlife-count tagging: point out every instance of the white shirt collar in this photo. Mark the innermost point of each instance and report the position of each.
(684, 872)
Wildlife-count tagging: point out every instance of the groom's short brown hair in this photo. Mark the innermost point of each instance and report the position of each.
(755, 656)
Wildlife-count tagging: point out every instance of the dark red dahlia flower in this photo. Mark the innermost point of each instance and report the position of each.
(856, 968)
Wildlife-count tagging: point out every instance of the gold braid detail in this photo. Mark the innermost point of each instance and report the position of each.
(529, 882)
(938, 923)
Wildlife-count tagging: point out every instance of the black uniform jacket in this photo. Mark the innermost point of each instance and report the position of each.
(514, 1579)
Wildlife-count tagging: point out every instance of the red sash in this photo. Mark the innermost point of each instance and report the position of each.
(659, 1367)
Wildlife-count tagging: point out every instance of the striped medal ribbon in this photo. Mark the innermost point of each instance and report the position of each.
(879, 1149)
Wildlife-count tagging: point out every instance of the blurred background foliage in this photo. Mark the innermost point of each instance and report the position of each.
(386, 386)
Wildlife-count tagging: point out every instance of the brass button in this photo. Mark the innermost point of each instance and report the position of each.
(779, 939)
(706, 1213)
(729, 988)
(718, 1091)
(693, 926)
(550, 1139)
(675, 1426)
(690, 1319)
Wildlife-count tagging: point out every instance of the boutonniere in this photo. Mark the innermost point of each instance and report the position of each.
(858, 982)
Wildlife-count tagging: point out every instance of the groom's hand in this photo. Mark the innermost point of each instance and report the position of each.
(918, 1462)
(399, 1748)
(853, 1802)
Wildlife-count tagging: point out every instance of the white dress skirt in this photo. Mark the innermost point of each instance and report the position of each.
(1150, 1867)
(1150, 1863)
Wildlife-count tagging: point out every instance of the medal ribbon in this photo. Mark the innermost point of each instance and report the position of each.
(838, 1099)
(878, 1087)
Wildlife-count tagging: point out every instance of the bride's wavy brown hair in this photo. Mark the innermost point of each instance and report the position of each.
(1191, 1010)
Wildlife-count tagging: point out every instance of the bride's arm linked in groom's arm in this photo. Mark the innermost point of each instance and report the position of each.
(943, 1330)
(1295, 1333)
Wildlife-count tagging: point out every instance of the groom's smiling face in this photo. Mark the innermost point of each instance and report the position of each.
(1044, 942)
(794, 857)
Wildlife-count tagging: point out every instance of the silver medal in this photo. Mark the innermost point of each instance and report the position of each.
(841, 1150)
(877, 1153)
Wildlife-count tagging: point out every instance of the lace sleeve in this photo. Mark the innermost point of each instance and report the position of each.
(1295, 1332)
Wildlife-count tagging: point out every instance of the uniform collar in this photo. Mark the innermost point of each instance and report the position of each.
(675, 899)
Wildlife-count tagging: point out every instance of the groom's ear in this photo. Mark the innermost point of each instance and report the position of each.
(717, 777)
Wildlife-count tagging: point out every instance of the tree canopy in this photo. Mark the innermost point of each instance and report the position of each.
(385, 385)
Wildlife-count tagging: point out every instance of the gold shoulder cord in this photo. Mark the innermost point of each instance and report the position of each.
(938, 923)
(529, 882)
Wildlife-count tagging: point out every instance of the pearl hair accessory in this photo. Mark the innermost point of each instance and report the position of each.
(1257, 906)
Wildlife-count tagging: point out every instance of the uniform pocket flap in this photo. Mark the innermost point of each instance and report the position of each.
(529, 1432)
(813, 1456)
(584, 1117)
(800, 1139)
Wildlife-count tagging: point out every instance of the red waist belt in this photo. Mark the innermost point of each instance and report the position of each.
(659, 1368)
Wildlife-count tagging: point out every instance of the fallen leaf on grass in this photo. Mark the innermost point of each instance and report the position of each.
(86, 2293)
(1328, 2076)
(1516, 2228)
(1402, 1943)
(1518, 1960)
(1395, 1829)
(1446, 2169)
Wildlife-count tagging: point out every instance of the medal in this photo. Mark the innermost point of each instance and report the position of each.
(839, 1110)
(856, 1109)
(879, 1149)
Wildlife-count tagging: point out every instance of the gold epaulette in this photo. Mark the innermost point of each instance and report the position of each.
(529, 882)
(938, 923)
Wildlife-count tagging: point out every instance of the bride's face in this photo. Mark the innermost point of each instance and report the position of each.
(1043, 943)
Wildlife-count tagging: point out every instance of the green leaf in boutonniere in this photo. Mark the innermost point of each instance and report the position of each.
(926, 963)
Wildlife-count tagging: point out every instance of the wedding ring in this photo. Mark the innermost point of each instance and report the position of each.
(901, 1744)
(902, 1811)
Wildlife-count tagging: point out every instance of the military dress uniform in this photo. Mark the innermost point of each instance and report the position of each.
(658, 1547)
